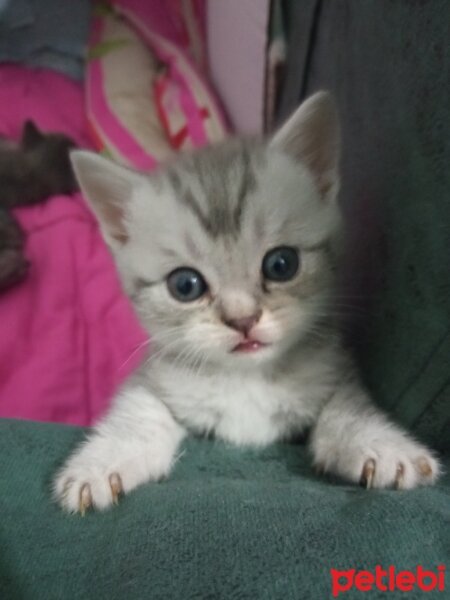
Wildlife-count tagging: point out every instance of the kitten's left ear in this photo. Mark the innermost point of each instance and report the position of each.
(108, 187)
(31, 135)
(311, 136)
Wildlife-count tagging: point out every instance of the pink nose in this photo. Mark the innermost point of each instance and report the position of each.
(244, 324)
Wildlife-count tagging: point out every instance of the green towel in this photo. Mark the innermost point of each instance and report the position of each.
(229, 524)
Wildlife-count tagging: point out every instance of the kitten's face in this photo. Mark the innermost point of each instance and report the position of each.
(227, 252)
(230, 286)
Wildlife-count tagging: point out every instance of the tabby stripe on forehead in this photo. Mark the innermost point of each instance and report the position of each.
(175, 180)
(221, 219)
(187, 198)
(248, 184)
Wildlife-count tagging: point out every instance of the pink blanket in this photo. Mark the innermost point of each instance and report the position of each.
(68, 335)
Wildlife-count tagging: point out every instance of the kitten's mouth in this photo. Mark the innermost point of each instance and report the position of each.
(249, 346)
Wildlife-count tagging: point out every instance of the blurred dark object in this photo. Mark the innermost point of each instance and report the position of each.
(13, 264)
(36, 168)
(276, 55)
(388, 65)
(30, 172)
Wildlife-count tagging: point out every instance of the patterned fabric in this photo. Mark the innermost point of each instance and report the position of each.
(145, 97)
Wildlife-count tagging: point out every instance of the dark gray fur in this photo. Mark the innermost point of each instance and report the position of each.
(221, 208)
(36, 168)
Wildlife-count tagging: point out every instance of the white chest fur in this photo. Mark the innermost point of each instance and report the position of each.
(246, 408)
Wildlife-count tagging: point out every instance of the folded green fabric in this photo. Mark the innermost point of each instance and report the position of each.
(228, 524)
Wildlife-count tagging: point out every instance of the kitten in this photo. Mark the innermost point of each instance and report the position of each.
(230, 255)
(30, 171)
(35, 168)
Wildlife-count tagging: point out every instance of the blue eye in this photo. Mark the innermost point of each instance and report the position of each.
(281, 264)
(186, 285)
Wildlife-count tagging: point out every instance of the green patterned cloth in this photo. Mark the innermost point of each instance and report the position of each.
(229, 524)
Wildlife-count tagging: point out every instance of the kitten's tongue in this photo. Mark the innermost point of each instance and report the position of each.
(248, 346)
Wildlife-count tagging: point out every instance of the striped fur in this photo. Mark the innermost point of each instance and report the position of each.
(219, 211)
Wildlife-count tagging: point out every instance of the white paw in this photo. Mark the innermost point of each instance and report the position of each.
(399, 463)
(77, 489)
(102, 470)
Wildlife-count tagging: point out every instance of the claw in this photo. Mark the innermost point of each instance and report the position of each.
(368, 473)
(424, 467)
(399, 477)
(85, 499)
(115, 483)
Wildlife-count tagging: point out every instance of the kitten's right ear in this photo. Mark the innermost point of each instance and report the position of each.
(108, 187)
(311, 136)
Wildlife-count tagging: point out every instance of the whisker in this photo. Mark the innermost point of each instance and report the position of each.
(134, 352)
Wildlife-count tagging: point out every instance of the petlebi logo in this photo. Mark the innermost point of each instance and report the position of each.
(387, 580)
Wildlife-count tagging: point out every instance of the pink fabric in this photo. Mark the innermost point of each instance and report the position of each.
(194, 123)
(69, 336)
(182, 69)
(159, 25)
(166, 17)
(192, 110)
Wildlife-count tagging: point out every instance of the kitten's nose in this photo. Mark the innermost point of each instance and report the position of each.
(244, 324)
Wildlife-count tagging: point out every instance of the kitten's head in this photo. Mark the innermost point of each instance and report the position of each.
(50, 154)
(228, 251)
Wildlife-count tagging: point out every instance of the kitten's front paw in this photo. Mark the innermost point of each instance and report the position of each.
(400, 463)
(78, 488)
(104, 468)
(409, 471)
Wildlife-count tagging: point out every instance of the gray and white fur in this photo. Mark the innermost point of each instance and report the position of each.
(221, 211)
